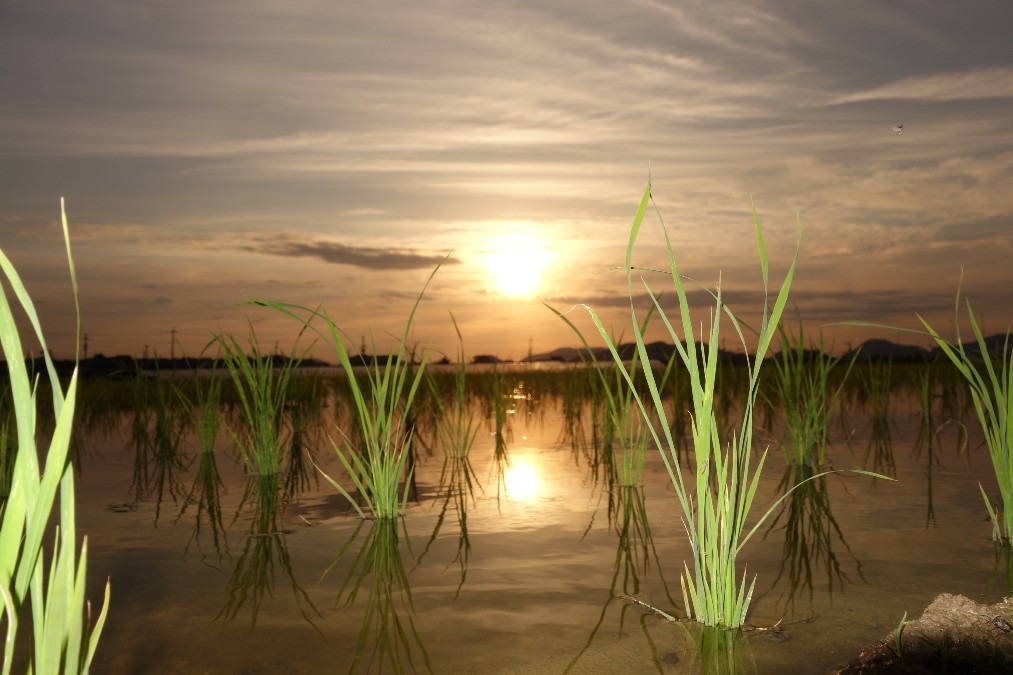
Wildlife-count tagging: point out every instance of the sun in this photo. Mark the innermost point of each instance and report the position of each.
(516, 264)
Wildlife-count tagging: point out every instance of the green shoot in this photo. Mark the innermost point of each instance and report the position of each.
(377, 469)
(62, 641)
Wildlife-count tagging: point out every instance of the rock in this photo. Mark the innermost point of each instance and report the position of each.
(954, 634)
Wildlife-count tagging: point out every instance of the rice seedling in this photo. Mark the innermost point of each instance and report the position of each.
(715, 513)
(578, 385)
(898, 637)
(925, 383)
(457, 428)
(621, 423)
(304, 410)
(989, 378)
(802, 388)
(498, 399)
(500, 466)
(382, 410)
(878, 383)
(51, 582)
(457, 431)
(165, 443)
(207, 486)
(261, 384)
(456, 490)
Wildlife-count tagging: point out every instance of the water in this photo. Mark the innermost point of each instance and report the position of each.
(526, 572)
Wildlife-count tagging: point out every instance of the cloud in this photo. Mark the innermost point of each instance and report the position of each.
(968, 85)
(356, 256)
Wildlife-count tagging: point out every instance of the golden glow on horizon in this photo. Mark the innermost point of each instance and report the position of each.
(516, 264)
(522, 481)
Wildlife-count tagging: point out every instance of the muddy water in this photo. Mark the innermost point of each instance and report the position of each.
(526, 573)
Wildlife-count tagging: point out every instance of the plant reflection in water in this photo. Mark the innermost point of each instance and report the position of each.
(634, 551)
(715, 650)
(157, 428)
(880, 448)
(456, 433)
(205, 492)
(388, 639)
(264, 553)
(809, 529)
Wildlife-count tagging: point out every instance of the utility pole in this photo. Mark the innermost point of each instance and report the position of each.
(85, 346)
(172, 345)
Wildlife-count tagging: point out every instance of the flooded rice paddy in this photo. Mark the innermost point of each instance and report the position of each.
(523, 556)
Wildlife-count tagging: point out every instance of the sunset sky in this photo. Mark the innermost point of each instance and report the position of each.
(334, 152)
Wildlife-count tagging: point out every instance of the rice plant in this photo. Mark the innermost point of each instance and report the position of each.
(51, 582)
(304, 407)
(167, 463)
(205, 493)
(378, 466)
(261, 385)
(457, 428)
(925, 380)
(989, 378)
(878, 383)
(621, 423)
(715, 513)
(802, 386)
(456, 434)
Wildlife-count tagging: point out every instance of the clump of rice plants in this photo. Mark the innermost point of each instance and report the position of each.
(381, 461)
(205, 492)
(457, 428)
(261, 385)
(802, 386)
(877, 385)
(456, 433)
(52, 582)
(164, 458)
(715, 512)
(621, 425)
(989, 378)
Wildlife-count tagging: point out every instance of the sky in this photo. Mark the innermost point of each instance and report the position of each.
(334, 154)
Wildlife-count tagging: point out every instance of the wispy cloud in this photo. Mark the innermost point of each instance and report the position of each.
(341, 254)
(380, 136)
(968, 85)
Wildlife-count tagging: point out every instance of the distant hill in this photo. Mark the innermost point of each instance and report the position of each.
(884, 350)
(656, 351)
(870, 350)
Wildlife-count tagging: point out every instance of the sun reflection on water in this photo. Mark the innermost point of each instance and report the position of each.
(522, 481)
